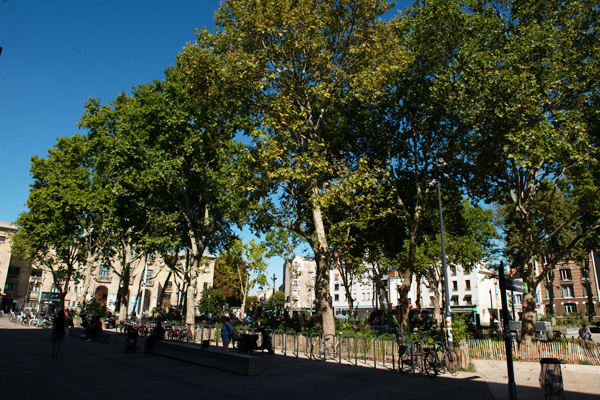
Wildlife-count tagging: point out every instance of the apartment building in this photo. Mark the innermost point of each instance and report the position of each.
(25, 286)
(476, 291)
(567, 288)
(299, 283)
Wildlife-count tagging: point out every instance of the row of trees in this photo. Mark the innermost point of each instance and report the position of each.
(341, 116)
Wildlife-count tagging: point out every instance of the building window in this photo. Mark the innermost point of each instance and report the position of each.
(2, 239)
(570, 308)
(454, 300)
(518, 299)
(148, 274)
(567, 291)
(35, 287)
(565, 274)
(453, 270)
(337, 277)
(468, 300)
(585, 292)
(10, 286)
(455, 286)
(431, 301)
(104, 271)
(336, 287)
(337, 297)
(169, 285)
(295, 283)
(467, 285)
(14, 270)
(36, 273)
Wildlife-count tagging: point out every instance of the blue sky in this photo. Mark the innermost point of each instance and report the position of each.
(57, 54)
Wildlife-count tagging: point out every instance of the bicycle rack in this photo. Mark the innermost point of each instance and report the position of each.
(342, 337)
(285, 336)
(306, 344)
(277, 332)
(364, 340)
(325, 341)
(375, 341)
(312, 335)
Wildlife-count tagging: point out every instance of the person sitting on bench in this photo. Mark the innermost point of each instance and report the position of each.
(93, 330)
(157, 335)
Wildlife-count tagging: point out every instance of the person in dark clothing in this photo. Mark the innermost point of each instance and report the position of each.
(58, 333)
(93, 330)
(157, 335)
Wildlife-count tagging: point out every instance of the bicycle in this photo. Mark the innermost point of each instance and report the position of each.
(325, 349)
(440, 359)
(411, 355)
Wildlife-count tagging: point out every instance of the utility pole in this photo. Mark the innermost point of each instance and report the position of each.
(273, 297)
(512, 387)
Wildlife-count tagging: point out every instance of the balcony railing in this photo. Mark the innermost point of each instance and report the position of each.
(104, 279)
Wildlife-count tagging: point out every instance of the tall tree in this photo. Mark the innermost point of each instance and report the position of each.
(56, 231)
(529, 80)
(297, 62)
(408, 125)
(245, 266)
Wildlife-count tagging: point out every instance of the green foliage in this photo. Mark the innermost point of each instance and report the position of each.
(170, 315)
(460, 327)
(94, 308)
(211, 302)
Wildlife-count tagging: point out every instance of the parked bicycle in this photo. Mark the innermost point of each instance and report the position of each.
(327, 349)
(439, 359)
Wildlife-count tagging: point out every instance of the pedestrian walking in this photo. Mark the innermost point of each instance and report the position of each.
(226, 332)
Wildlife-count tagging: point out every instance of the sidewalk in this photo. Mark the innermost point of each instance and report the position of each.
(92, 370)
(580, 381)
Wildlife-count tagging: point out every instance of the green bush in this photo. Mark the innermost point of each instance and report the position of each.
(94, 308)
(460, 327)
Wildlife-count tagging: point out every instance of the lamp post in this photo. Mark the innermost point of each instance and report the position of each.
(440, 165)
(273, 296)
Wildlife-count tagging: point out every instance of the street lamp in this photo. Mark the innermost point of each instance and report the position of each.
(273, 298)
(440, 165)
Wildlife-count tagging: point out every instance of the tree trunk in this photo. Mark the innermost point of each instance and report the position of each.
(529, 317)
(550, 287)
(126, 263)
(418, 299)
(403, 290)
(324, 308)
(88, 276)
(437, 311)
(161, 294)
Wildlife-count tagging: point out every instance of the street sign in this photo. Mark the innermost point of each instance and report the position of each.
(515, 286)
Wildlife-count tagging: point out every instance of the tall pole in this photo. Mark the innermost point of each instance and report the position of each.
(273, 297)
(440, 165)
(512, 387)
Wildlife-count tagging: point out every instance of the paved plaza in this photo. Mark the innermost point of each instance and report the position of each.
(92, 370)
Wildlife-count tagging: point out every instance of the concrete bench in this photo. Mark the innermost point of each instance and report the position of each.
(572, 332)
(103, 336)
(231, 361)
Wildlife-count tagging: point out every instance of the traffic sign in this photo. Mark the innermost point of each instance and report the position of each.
(515, 286)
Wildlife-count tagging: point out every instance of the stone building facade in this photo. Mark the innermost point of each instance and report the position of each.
(27, 287)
